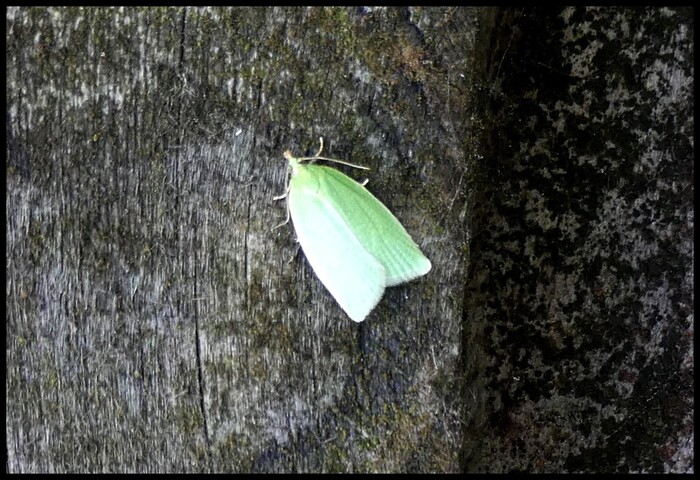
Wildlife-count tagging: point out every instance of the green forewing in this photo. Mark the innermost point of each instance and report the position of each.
(353, 242)
(376, 228)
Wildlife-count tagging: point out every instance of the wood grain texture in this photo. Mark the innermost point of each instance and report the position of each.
(155, 321)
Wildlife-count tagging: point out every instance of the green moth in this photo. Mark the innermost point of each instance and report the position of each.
(355, 245)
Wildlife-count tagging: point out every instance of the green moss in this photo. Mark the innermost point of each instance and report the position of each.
(188, 418)
(335, 454)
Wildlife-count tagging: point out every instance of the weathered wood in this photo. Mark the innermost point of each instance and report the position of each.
(156, 322)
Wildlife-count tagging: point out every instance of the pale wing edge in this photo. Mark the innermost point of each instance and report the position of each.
(331, 247)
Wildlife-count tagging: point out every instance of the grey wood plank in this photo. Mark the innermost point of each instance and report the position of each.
(155, 321)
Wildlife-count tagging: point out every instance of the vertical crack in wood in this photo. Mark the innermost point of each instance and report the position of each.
(198, 337)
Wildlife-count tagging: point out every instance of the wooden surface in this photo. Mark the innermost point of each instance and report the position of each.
(157, 322)
(156, 319)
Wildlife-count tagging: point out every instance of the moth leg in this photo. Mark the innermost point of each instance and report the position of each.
(320, 148)
(285, 222)
(280, 197)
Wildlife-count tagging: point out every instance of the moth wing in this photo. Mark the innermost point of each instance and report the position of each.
(375, 227)
(354, 277)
